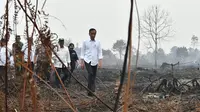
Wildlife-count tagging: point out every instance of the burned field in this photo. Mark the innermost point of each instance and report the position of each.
(167, 89)
(154, 90)
(48, 100)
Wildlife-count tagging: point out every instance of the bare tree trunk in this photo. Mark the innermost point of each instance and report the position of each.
(156, 51)
(120, 54)
(156, 36)
(156, 25)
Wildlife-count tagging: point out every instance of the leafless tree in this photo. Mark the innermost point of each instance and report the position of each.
(156, 26)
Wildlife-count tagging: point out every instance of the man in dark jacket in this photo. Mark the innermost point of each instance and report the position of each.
(74, 58)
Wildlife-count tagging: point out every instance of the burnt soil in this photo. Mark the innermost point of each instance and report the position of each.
(142, 100)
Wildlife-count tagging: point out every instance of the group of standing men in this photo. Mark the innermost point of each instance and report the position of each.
(44, 62)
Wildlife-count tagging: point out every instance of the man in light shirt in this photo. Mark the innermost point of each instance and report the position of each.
(3, 57)
(63, 53)
(91, 57)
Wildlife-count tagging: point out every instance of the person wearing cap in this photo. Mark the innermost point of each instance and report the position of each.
(74, 58)
(63, 53)
(91, 58)
(17, 54)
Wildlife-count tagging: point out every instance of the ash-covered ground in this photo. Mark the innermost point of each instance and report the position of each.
(159, 90)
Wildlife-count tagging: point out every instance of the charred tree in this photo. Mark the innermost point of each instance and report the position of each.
(155, 26)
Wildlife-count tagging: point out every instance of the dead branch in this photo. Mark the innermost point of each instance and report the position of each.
(47, 85)
(61, 60)
(149, 85)
(162, 84)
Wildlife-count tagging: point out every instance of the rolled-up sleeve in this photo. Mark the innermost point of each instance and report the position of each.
(100, 52)
(82, 50)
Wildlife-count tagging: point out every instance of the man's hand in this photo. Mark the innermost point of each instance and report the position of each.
(82, 64)
(100, 63)
(69, 67)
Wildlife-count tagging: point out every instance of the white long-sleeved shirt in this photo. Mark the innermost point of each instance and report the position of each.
(91, 51)
(25, 51)
(3, 56)
(63, 54)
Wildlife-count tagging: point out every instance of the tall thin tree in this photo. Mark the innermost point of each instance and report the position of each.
(155, 26)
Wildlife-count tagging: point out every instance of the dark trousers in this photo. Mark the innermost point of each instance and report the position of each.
(2, 73)
(65, 72)
(73, 65)
(92, 70)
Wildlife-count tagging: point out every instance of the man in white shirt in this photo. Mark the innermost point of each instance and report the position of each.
(91, 57)
(63, 54)
(32, 53)
(3, 57)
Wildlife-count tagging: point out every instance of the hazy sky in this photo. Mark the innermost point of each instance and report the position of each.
(110, 18)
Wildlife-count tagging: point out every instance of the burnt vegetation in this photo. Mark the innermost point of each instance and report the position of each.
(158, 81)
